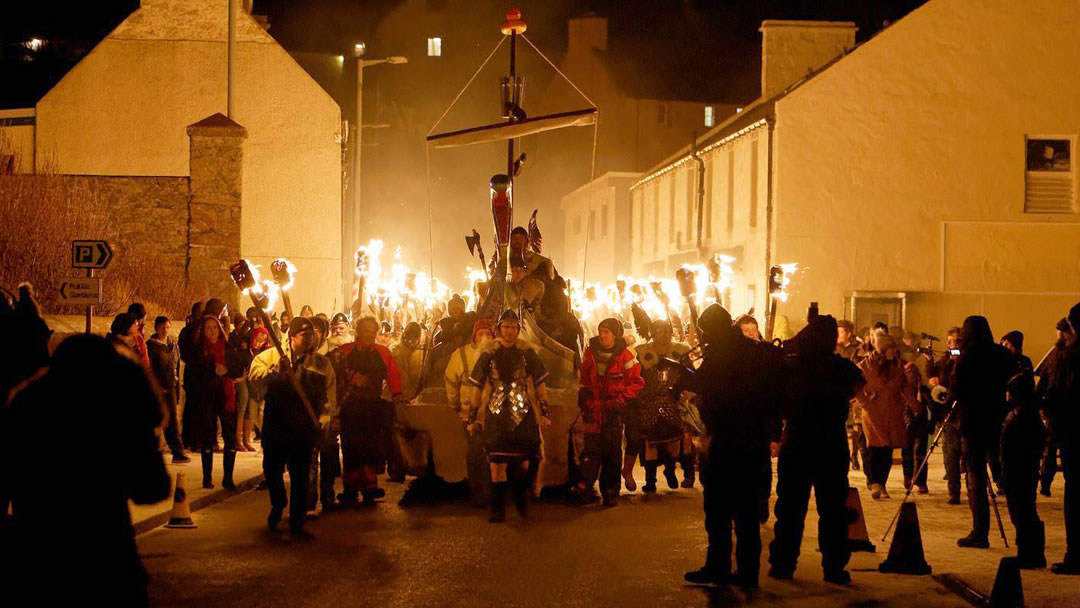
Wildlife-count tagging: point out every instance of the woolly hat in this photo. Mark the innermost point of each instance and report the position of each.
(613, 325)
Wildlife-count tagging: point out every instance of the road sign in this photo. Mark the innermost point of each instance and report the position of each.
(90, 254)
(81, 291)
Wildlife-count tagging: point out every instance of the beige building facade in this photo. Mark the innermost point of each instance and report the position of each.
(124, 109)
(600, 209)
(927, 175)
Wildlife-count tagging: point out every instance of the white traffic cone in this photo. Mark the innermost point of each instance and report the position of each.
(181, 512)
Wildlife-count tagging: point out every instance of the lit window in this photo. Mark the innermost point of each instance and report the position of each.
(710, 119)
(1049, 182)
(737, 110)
(434, 47)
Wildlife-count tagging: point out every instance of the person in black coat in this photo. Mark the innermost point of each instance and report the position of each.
(1067, 431)
(981, 374)
(814, 452)
(91, 397)
(1022, 439)
(737, 383)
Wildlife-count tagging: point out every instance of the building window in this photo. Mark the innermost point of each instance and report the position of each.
(710, 118)
(577, 224)
(663, 114)
(603, 222)
(592, 225)
(1049, 182)
(434, 47)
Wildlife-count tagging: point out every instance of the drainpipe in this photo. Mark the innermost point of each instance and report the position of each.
(231, 59)
(771, 123)
(700, 192)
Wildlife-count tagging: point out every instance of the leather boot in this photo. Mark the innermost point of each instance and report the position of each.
(498, 502)
(208, 470)
(687, 463)
(517, 491)
(229, 461)
(1032, 555)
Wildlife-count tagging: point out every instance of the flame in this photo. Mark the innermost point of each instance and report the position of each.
(265, 290)
(291, 271)
(414, 293)
(785, 281)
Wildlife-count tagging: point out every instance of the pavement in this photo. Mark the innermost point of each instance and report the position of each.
(446, 554)
(246, 475)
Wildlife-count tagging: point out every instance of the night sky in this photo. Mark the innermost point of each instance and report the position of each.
(718, 37)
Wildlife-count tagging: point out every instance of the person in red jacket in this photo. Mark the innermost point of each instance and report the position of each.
(610, 378)
(362, 369)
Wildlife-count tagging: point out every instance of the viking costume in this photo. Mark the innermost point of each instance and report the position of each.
(509, 410)
(366, 418)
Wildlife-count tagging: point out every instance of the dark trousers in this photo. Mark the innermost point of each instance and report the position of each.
(976, 453)
(951, 451)
(1022, 484)
(602, 458)
(732, 502)
(651, 468)
(172, 430)
(877, 469)
(1070, 469)
(913, 454)
(297, 458)
(325, 468)
(796, 472)
(1049, 466)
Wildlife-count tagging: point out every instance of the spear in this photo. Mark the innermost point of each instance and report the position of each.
(244, 277)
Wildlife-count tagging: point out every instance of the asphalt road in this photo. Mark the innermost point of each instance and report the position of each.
(449, 555)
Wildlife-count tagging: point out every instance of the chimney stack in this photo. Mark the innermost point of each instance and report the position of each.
(792, 49)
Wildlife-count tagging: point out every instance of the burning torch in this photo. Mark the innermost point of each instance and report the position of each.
(282, 270)
(688, 289)
(779, 279)
(246, 279)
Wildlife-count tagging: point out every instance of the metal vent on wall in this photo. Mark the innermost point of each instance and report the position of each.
(1049, 192)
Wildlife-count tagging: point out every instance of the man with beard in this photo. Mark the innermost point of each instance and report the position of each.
(814, 453)
(339, 332)
(654, 416)
(982, 372)
(288, 433)
(362, 369)
(509, 406)
(737, 383)
(610, 378)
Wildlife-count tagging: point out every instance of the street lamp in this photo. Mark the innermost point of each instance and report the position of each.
(358, 51)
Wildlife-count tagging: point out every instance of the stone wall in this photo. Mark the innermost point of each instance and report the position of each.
(150, 215)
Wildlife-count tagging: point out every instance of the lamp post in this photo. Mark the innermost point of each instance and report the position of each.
(354, 220)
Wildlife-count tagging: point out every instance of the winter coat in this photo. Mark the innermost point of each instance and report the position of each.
(982, 371)
(163, 361)
(883, 402)
(458, 390)
(208, 394)
(602, 398)
(285, 420)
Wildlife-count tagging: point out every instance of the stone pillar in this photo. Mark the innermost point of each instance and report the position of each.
(217, 168)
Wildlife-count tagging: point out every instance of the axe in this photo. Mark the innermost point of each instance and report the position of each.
(473, 241)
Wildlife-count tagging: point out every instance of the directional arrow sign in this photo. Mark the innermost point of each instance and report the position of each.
(90, 254)
(82, 291)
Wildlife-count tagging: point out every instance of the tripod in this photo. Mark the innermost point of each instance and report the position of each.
(926, 460)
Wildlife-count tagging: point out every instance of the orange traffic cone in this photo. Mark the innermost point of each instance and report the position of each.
(1008, 589)
(181, 512)
(858, 538)
(906, 552)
